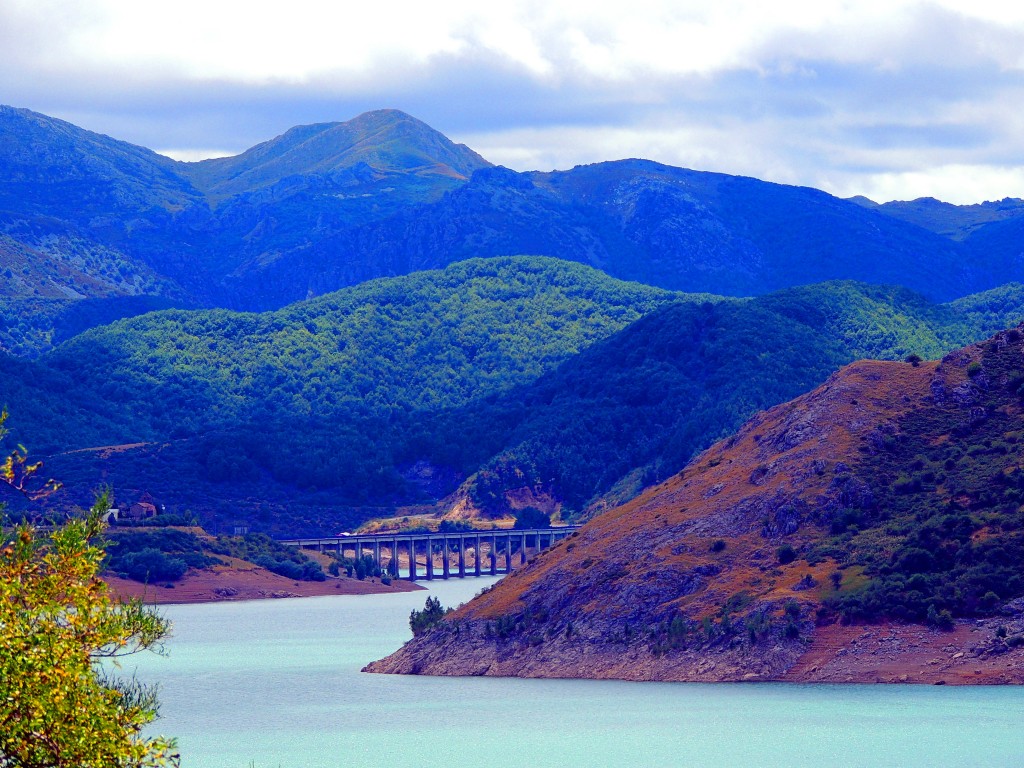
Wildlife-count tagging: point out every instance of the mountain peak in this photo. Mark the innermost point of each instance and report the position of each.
(387, 141)
(388, 115)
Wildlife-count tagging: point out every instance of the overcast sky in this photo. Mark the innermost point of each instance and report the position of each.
(892, 100)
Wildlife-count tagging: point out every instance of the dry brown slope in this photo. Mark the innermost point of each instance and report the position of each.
(640, 593)
(242, 580)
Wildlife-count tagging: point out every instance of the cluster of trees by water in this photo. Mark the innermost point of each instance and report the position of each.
(165, 554)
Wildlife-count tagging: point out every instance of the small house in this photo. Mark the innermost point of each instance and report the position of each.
(143, 509)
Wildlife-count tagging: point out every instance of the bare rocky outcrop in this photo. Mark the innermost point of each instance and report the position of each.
(586, 652)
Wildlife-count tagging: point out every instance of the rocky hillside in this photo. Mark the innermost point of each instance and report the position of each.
(869, 530)
(56, 169)
(132, 221)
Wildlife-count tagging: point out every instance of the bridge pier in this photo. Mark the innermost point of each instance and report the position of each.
(373, 545)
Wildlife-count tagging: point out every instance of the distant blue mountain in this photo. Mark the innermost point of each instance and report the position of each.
(330, 205)
(957, 222)
(382, 146)
(638, 220)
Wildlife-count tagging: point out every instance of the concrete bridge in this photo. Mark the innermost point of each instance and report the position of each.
(498, 547)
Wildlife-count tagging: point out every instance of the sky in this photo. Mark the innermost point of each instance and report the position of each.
(891, 100)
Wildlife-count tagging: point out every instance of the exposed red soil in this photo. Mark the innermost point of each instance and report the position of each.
(106, 451)
(244, 581)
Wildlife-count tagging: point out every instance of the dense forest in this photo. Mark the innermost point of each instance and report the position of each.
(31, 327)
(493, 375)
(423, 342)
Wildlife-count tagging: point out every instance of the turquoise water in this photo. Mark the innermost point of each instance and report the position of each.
(277, 683)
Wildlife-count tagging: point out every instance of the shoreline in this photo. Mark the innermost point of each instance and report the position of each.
(221, 584)
(888, 653)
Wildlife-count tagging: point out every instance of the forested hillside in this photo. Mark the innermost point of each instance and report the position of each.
(428, 341)
(322, 395)
(30, 327)
(504, 376)
(635, 408)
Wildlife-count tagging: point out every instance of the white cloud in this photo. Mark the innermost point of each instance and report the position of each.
(959, 184)
(264, 41)
(194, 155)
(885, 94)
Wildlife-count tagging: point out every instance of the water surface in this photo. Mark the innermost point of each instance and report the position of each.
(263, 684)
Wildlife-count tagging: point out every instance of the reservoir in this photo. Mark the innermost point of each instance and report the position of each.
(276, 683)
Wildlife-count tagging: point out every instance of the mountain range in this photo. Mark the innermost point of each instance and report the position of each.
(490, 376)
(330, 205)
(364, 323)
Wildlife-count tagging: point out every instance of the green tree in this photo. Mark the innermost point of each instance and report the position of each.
(531, 517)
(432, 613)
(785, 554)
(60, 634)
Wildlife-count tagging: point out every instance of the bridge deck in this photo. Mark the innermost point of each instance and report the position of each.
(496, 545)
